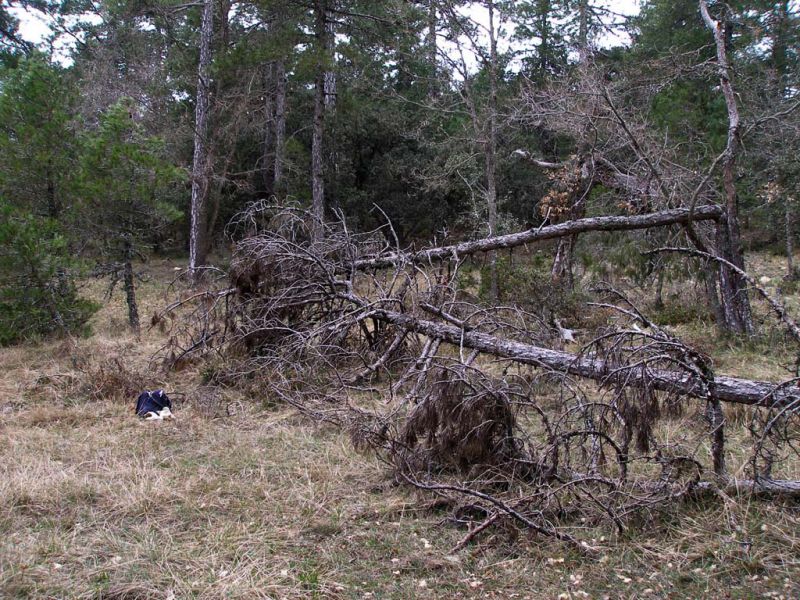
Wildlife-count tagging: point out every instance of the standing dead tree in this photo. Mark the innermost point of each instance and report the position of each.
(467, 401)
(200, 166)
(626, 160)
(733, 286)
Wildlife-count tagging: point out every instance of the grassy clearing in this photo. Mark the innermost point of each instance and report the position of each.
(97, 504)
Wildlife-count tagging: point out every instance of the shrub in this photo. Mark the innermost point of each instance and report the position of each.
(37, 289)
(679, 312)
(527, 283)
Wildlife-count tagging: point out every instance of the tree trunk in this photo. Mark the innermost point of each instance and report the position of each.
(491, 151)
(130, 285)
(280, 128)
(733, 288)
(725, 389)
(716, 421)
(660, 288)
(433, 51)
(331, 98)
(712, 296)
(268, 154)
(562, 262)
(317, 169)
(200, 166)
(330, 74)
(727, 286)
(513, 240)
(583, 32)
(789, 224)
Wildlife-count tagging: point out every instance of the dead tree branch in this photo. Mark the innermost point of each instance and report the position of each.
(727, 389)
(512, 240)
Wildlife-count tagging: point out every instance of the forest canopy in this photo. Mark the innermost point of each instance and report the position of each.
(415, 95)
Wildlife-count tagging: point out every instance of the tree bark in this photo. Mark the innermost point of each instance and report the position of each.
(583, 32)
(280, 128)
(789, 224)
(733, 289)
(330, 74)
(512, 240)
(200, 166)
(659, 302)
(780, 46)
(491, 151)
(130, 285)
(430, 43)
(268, 154)
(317, 168)
(726, 389)
(712, 296)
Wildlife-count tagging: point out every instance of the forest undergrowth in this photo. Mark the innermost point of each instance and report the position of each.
(242, 497)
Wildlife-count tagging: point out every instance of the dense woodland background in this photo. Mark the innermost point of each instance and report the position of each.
(451, 120)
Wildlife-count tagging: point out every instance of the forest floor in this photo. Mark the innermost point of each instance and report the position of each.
(95, 503)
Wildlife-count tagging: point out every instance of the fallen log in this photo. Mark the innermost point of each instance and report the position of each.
(726, 389)
(758, 487)
(512, 240)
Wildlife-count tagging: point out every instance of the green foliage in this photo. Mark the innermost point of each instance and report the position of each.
(380, 156)
(526, 282)
(614, 252)
(11, 43)
(691, 110)
(689, 107)
(37, 141)
(679, 312)
(671, 26)
(126, 181)
(542, 20)
(37, 290)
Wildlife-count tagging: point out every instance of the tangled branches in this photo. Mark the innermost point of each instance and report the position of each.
(466, 400)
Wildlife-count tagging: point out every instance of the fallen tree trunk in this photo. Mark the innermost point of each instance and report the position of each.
(758, 487)
(512, 240)
(726, 389)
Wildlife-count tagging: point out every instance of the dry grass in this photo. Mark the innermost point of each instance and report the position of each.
(267, 505)
(95, 503)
